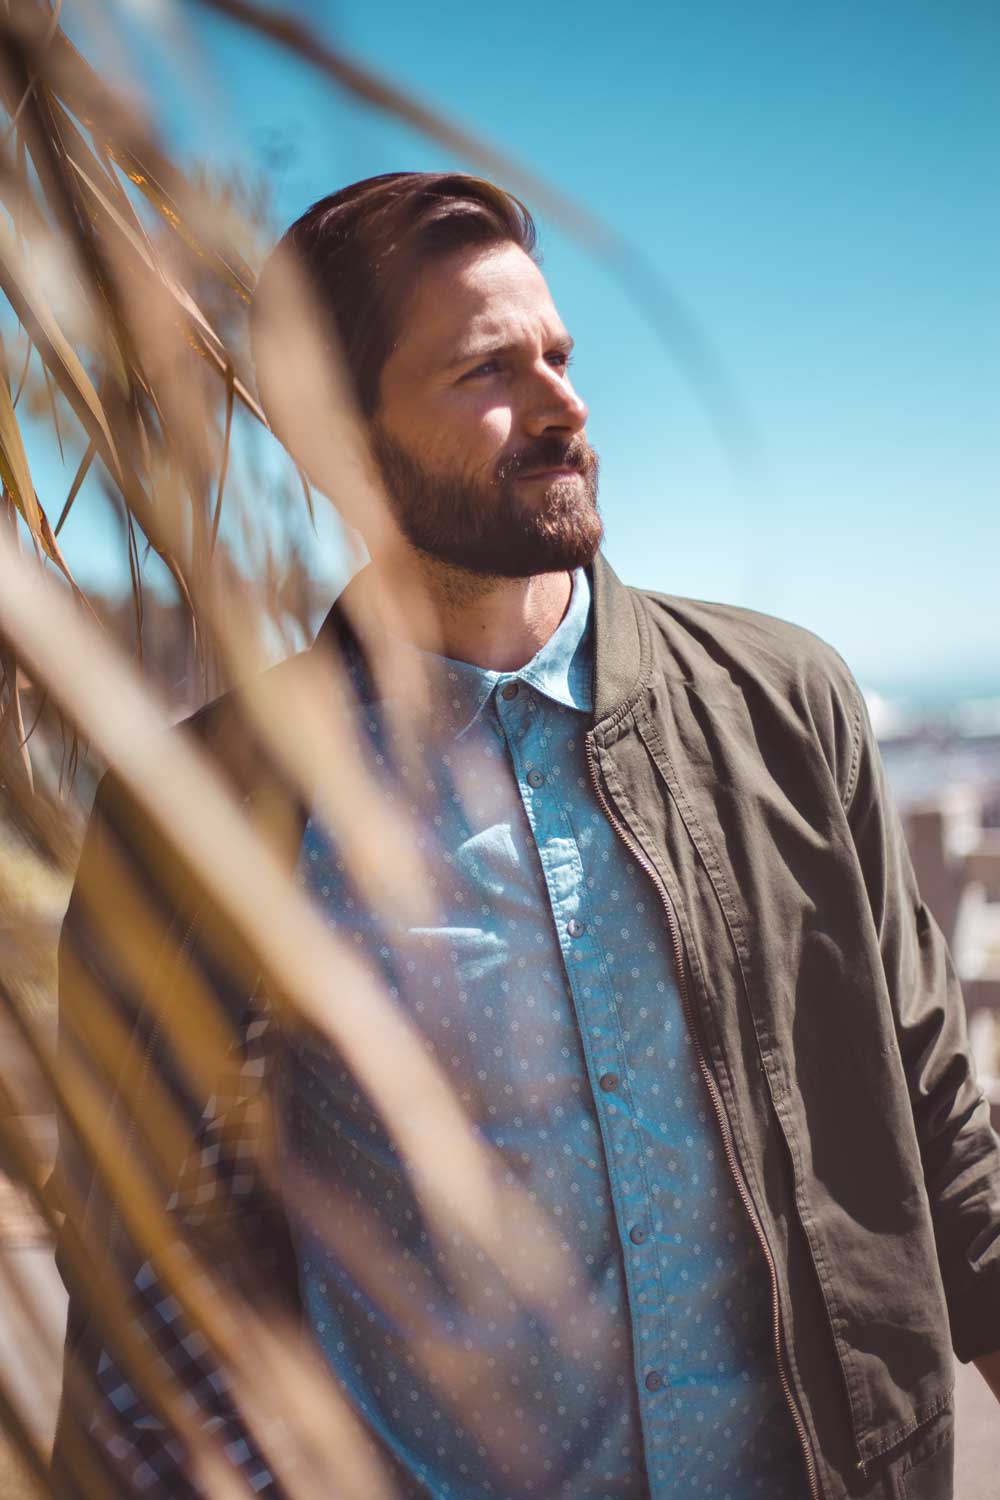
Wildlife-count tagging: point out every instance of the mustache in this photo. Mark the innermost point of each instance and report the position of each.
(547, 453)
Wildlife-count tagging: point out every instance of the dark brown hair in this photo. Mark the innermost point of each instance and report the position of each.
(359, 250)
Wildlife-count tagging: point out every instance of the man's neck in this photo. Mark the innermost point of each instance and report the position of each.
(495, 623)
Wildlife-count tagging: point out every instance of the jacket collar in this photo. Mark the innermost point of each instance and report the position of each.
(621, 642)
(620, 635)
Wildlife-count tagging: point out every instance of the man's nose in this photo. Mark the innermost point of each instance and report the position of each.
(554, 404)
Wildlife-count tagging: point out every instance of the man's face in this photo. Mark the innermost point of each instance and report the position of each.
(479, 434)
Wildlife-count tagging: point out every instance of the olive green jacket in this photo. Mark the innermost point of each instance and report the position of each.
(734, 756)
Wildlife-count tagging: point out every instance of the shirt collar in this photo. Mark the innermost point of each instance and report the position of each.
(561, 669)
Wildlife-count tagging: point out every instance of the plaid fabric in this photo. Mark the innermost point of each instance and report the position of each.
(219, 1186)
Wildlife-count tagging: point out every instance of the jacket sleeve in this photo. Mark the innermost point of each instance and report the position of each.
(959, 1150)
(215, 1194)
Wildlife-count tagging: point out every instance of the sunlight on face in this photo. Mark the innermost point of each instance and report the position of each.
(480, 434)
(480, 369)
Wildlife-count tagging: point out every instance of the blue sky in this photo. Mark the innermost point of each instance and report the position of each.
(818, 183)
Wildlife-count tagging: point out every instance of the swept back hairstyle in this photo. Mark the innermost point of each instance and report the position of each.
(357, 252)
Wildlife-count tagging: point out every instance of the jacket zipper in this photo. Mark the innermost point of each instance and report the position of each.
(720, 1115)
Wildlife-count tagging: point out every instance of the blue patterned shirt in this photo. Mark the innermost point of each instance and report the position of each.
(546, 990)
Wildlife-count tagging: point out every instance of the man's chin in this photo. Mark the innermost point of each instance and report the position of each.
(530, 557)
(542, 554)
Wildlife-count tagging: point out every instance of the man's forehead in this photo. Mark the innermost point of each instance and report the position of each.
(477, 300)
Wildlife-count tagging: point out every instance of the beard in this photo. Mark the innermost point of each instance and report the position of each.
(496, 526)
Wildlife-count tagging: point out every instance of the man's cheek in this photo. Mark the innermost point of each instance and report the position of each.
(497, 433)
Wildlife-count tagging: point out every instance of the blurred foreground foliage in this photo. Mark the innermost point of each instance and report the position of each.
(124, 285)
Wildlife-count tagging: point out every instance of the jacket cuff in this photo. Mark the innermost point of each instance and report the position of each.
(975, 1317)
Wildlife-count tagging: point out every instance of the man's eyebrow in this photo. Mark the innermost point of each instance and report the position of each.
(564, 344)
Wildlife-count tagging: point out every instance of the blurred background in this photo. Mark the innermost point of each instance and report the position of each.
(787, 333)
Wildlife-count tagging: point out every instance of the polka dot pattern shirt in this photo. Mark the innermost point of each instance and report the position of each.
(546, 990)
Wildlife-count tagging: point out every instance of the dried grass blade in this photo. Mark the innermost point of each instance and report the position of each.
(206, 340)
(54, 409)
(31, 305)
(43, 699)
(12, 717)
(147, 254)
(78, 478)
(224, 468)
(13, 459)
(53, 550)
(30, 86)
(34, 312)
(118, 130)
(135, 575)
(24, 373)
(230, 268)
(79, 151)
(130, 231)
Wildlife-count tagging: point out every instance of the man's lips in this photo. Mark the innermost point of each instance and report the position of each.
(560, 472)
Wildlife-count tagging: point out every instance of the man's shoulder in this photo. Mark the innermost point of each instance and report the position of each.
(742, 641)
(782, 671)
(211, 724)
(233, 729)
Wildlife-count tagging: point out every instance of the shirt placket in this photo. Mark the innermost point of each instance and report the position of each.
(612, 1079)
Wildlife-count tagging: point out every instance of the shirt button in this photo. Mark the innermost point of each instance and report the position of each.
(509, 690)
(608, 1082)
(535, 778)
(653, 1381)
(637, 1234)
(575, 927)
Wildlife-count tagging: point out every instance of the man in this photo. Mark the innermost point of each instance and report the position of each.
(678, 974)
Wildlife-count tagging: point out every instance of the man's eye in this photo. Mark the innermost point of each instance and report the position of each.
(561, 358)
(488, 367)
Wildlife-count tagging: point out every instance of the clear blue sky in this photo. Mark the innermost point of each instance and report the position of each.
(820, 185)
